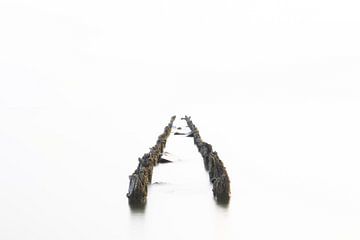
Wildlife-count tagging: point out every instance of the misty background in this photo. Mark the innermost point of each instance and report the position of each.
(87, 86)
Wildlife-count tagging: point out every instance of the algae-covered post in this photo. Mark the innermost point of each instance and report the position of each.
(142, 176)
(217, 171)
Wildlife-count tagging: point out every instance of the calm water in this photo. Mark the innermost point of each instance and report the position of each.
(180, 202)
(293, 175)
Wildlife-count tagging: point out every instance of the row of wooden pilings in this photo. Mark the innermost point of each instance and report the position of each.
(215, 167)
(141, 177)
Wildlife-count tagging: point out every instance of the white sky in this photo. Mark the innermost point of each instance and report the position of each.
(116, 51)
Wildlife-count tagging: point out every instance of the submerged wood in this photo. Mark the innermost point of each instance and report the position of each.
(217, 172)
(142, 176)
(163, 160)
(178, 133)
(190, 135)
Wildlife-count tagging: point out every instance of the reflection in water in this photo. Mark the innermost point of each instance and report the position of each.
(180, 199)
(184, 148)
(223, 205)
(137, 223)
(271, 197)
(137, 208)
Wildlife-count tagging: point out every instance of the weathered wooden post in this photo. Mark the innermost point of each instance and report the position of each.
(142, 176)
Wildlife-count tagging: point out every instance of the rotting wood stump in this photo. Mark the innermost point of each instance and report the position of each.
(142, 176)
(215, 167)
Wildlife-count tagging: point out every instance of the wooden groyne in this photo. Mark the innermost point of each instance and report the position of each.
(142, 176)
(215, 167)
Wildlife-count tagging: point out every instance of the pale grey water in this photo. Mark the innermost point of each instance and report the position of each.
(293, 170)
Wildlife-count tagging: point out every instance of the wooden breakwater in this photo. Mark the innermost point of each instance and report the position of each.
(142, 176)
(215, 167)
